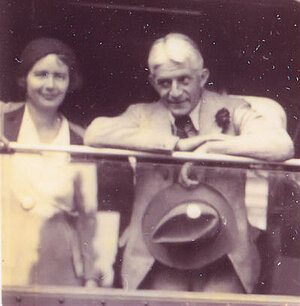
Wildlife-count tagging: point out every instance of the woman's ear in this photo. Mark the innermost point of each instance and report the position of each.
(21, 81)
(203, 77)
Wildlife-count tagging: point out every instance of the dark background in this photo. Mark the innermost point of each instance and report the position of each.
(250, 47)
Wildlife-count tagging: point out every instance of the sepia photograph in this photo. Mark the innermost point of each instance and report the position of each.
(149, 152)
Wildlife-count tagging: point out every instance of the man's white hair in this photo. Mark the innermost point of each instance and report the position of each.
(177, 48)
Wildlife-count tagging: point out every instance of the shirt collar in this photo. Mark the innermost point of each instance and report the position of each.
(194, 115)
(28, 133)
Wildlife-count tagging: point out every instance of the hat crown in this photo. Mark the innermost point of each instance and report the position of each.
(189, 229)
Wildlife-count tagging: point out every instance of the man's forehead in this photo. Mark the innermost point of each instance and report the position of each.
(173, 69)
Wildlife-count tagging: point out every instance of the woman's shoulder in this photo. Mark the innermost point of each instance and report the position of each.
(8, 107)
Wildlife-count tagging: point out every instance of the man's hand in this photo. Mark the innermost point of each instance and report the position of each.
(206, 144)
(183, 178)
(214, 144)
(192, 143)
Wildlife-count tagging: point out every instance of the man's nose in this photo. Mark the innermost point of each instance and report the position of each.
(175, 90)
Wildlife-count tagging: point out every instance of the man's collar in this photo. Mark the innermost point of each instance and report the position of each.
(194, 115)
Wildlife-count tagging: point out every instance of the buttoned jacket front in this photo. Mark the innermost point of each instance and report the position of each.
(15, 210)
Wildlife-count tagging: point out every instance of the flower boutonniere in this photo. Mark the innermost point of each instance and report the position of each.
(223, 119)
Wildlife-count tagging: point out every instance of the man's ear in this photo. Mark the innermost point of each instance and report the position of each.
(22, 82)
(151, 79)
(203, 77)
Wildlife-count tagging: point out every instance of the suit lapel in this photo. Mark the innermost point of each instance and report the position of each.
(207, 111)
(161, 119)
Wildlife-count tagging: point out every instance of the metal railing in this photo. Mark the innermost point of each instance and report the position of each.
(219, 160)
(74, 296)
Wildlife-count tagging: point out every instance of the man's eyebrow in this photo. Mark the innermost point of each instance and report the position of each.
(162, 79)
(185, 75)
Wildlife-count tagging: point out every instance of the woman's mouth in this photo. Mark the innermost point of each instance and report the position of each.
(49, 97)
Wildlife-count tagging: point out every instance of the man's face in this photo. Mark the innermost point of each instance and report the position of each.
(179, 86)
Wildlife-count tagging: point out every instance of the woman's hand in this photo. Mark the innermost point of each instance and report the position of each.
(91, 283)
(106, 278)
(4, 144)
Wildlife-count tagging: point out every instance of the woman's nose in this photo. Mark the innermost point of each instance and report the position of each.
(175, 90)
(50, 81)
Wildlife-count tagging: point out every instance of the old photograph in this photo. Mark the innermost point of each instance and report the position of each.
(149, 152)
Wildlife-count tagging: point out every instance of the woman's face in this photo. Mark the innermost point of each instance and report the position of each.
(47, 83)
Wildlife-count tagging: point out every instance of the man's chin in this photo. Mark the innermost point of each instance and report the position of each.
(179, 112)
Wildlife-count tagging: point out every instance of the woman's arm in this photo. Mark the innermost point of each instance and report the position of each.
(98, 230)
(86, 203)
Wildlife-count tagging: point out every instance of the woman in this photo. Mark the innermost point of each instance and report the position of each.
(49, 203)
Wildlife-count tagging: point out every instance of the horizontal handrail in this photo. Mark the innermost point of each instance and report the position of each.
(156, 156)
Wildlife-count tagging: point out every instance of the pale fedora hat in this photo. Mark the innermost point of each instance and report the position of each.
(189, 229)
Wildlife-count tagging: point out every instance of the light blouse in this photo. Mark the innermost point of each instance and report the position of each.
(36, 187)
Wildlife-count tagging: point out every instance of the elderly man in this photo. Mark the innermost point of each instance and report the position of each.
(190, 118)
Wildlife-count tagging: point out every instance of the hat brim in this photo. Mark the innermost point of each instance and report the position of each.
(195, 253)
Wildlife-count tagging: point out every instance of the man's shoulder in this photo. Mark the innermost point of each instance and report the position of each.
(147, 106)
(147, 109)
(225, 100)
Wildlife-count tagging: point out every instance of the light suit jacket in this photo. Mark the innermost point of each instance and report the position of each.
(148, 126)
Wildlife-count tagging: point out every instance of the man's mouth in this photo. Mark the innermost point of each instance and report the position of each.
(177, 103)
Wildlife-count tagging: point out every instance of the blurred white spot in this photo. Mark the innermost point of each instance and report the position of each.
(193, 211)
